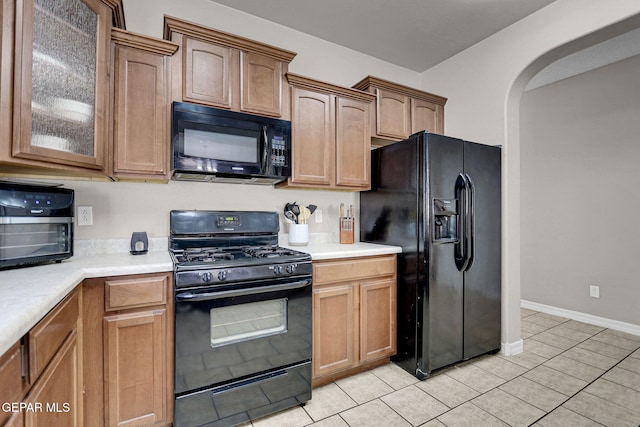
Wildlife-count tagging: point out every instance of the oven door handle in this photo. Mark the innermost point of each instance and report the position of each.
(205, 296)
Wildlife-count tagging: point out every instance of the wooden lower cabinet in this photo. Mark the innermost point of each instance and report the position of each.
(41, 375)
(59, 390)
(135, 367)
(128, 353)
(354, 315)
(11, 384)
(335, 332)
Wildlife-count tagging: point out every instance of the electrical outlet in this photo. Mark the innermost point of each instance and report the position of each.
(85, 215)
(594, 291)
(318, 215)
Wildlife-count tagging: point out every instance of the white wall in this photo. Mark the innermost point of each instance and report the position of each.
(580, 197)
(484, 84)
(315, 58)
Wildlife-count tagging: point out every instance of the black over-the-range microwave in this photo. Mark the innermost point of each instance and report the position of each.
(214, 145)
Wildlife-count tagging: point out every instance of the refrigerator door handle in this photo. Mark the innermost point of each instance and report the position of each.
(464, 247)
(470, 221)
(462, 195)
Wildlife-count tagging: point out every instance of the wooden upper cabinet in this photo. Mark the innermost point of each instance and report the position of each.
(227, 71)
(313, 137)
(141, 108)
(401, 111)
(207, 73)
(392, 114)
(261, 84)
(61, 83)
(426, 115)
(330, 136)
(353, 152)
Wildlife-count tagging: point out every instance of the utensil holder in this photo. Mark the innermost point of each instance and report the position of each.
(346, 230)
(298, 234)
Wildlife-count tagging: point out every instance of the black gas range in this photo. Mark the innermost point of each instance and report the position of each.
(200, 266)
(243, 318)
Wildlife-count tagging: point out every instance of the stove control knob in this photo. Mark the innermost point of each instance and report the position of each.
(277, 269)
(206, 277)
(222, 275)
(291, 268)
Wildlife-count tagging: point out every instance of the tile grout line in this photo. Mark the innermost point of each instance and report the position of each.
(547, 329)
(564, 351)
(588, 384)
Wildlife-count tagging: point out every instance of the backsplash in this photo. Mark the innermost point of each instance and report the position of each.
(87, 247)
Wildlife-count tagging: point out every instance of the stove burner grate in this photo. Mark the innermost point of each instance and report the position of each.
(206, 255)
(268, 252)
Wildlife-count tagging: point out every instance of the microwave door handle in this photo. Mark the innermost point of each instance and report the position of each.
(264, 149)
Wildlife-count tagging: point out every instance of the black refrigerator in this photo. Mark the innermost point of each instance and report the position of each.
(439, 199)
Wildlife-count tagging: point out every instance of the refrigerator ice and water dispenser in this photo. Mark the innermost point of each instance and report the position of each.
(445, 220)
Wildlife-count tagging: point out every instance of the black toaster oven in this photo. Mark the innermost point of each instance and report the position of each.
(36, 224)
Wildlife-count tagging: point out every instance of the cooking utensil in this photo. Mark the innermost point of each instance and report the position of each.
(296, 211)
(305, 213)
(288, 213)
(312, 208)
(290, 216)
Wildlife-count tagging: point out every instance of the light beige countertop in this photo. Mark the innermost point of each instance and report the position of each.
(325, 250)
(27, 294)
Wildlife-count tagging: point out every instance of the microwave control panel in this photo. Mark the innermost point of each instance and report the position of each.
(278, 151)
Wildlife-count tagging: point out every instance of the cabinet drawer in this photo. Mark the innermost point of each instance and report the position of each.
(353, 269)
(48, 335)
(132, 293)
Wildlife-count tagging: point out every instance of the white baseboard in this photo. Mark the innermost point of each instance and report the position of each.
(629, 328)
(511, 349)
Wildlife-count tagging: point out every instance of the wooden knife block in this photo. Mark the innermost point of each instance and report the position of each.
(346, 230)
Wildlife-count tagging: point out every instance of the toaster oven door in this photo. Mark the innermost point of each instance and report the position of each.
(28, 240)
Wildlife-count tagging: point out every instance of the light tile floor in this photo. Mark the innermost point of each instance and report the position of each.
(570, 374)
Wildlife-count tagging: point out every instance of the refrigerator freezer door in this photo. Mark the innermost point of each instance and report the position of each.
(482, 278)
(389, 214)
(442, 290)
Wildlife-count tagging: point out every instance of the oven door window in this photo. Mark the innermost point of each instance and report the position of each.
(237, 323)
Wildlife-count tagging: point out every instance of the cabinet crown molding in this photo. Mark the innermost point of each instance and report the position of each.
(201, 32)
(140, 41)
(309, 83)
(117, 13)
(379, 83)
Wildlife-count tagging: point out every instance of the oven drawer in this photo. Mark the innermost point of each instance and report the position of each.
(133, 293)
(246, 400)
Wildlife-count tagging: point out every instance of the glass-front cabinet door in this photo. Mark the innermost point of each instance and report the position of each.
(61, 84)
